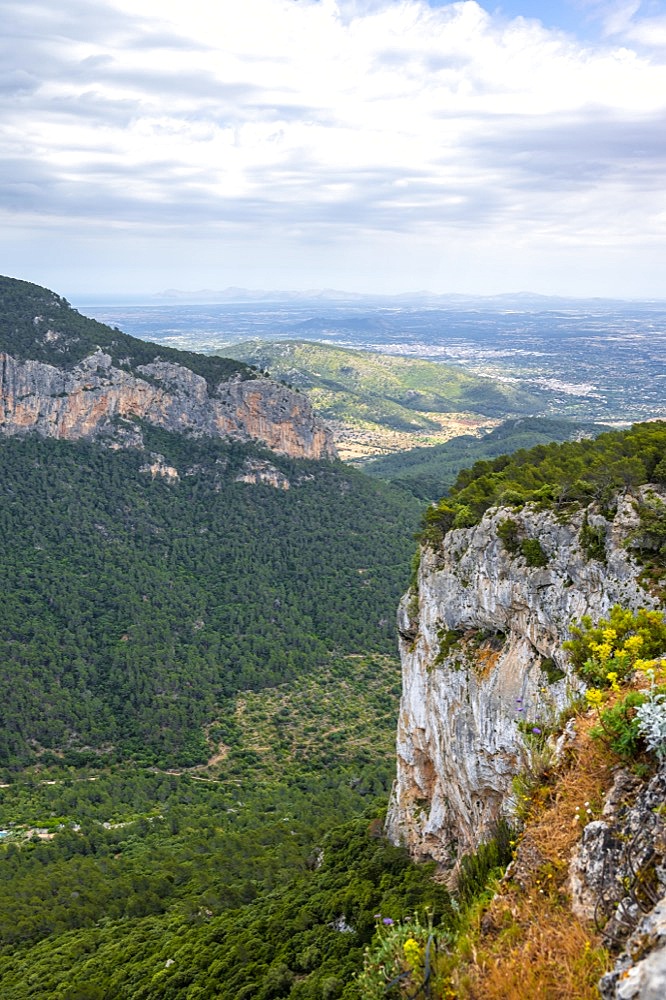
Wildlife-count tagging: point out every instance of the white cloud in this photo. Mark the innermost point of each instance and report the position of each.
(316, 123)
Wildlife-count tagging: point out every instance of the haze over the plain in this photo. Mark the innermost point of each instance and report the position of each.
(370, 145)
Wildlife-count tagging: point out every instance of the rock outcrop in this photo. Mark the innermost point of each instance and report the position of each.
(481, 646)
(97, 399)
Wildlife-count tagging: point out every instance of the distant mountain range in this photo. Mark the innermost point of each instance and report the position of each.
(507, 300)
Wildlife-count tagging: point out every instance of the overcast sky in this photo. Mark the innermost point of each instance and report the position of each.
(368, 145)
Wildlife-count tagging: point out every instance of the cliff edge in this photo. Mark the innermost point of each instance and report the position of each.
(481, 646)
(67, 376)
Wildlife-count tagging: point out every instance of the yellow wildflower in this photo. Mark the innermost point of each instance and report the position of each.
(632, 645)
(602, 650)
(412, 950)
(612, 677)
(609, 634)
(594, 697)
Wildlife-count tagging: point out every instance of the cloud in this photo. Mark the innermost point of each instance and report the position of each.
(319, 119)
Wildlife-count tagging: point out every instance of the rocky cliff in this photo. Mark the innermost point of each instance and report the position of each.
(481, 647)
(100, 398)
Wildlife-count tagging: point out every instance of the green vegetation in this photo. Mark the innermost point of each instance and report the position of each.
(428, 472)
(649, 541)
(609, 651)
(220, 882)
(507, 532)
(563, 476)
(409, 955)
(130, 606)
(593, 540)
(551, 670)
(619, 727)
(384, 388)
(534, 555)
(625, 649)
(448, 640)
(36, 323)
(377, 402)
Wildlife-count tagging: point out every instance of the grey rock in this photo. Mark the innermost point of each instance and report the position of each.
(98, 400)
(459, 743)
(640, 973)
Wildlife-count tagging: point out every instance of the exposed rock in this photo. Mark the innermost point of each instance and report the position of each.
(617, 873)
(258, 471)
(481, 648)
(640, 973)
(159, 467)
(96, 399)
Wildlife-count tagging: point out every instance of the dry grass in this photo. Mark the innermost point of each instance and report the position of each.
(527, 944)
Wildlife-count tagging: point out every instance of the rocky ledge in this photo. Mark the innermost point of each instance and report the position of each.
(97, 399)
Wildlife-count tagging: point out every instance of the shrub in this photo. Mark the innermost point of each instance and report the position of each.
(620, 726)
(616, 645)
(401, 958)
(593, 540)
(551, 670)
(534, 554)
(490, 859)
(448, 640)
(651, 716)
(507, 532)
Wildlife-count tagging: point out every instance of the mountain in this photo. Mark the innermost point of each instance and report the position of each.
(198, 695)
(508, 301)
(378, 402)
(198, 685)
(139, 587)
(66, 376)
(144, 581)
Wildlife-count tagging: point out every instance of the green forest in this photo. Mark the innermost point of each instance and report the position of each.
(199, 693)
(429, 472)
(565, 475)
(37, 324)
(240, 854)
(228, 881)
(131, 605)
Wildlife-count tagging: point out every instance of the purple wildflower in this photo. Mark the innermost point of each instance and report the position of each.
(378, 916)
(387, 921)
(535, 729)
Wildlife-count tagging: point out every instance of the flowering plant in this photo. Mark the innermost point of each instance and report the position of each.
(402, 957)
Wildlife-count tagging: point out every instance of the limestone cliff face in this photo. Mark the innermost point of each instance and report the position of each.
(97, 399)
(482, 661)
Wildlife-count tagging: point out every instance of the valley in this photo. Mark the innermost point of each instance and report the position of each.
(200, 692)
(590, 360)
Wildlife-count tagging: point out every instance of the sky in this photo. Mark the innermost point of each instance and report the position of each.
(377, 146)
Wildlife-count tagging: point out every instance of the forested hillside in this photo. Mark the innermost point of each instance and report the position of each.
(39, 325)
(232, 879)
(574, 472)
(130, 604)
(430, 472)
(378, 402)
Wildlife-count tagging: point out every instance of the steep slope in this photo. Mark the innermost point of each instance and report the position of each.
(63, 375)
(482, 629)
(380, 402)
(482, 657)
(139, 587)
